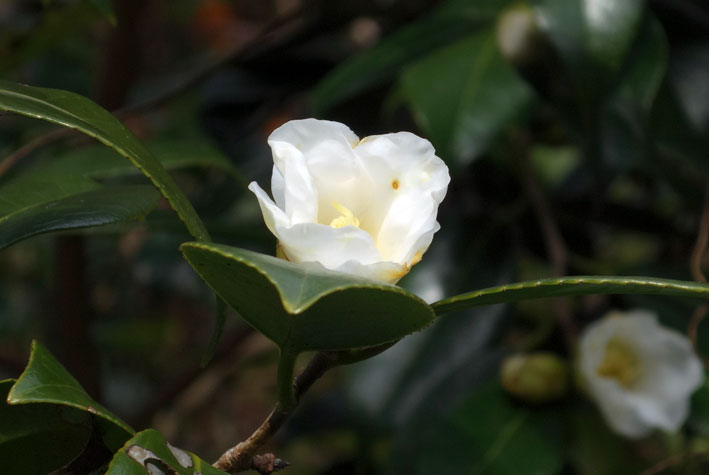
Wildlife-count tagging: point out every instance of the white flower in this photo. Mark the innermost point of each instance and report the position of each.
(366, 207)
(640, 374)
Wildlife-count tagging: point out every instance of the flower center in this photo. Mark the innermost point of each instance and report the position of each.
(621, 363)
(347, 219)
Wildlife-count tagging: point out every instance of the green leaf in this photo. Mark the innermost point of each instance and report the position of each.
(453, 20)
(592, 36)
(508, 439)
(303, 308)
(61, 194)
(149, 448)
(39, 438)
(99, 162)
(46, 381)
(464, 95)
(596, 450)
(386, 59)
(106, 205)
(571, 286)
(219, 322)
(77, 112)
(489, 435)
(625, 131)
(645, 70)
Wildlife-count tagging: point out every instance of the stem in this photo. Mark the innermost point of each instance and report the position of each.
(286, 390)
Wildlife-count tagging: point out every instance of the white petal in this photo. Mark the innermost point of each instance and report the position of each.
(312, 154)
(300, 196)
(273, 216)
(389, 272)
(278, 188)
(306, 134)
(408, 158)
(408, 175)
(331, 247)
(408, 227)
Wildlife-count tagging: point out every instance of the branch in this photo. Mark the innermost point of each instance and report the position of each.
(33, 145)
(673, 462)
(695, 265)
(242, 456)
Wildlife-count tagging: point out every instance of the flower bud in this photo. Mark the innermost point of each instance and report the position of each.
(517, 34)
(535, 378)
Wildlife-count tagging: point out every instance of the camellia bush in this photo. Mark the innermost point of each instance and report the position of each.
(504, 276)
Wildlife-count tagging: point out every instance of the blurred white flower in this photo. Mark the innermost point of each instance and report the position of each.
(640, 374)
(366, 207)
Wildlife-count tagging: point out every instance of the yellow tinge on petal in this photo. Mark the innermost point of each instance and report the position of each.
(347, 219)
(620, 363)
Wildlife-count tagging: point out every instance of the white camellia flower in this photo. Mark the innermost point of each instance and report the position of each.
(366, 207)
(640, 374)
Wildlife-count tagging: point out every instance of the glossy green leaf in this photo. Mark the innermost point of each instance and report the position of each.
(46, 381)
(33, 189)
(464, 95)
(571, 286)
(39, 438)
(106, 205)
(149, 452)
(307, 309)
(77, 112)
(61, 194)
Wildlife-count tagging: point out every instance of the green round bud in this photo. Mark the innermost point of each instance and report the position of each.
(536, 378)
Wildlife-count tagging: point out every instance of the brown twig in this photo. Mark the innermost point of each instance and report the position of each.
(33, 145)
(272, 34)
(243, 455)
(554, 243)
(671, 462)
(695, 265)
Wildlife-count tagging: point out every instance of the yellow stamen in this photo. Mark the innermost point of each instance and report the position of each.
(347, 219)
(620, 363)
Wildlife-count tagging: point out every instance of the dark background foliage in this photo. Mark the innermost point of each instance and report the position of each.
(576, 132)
